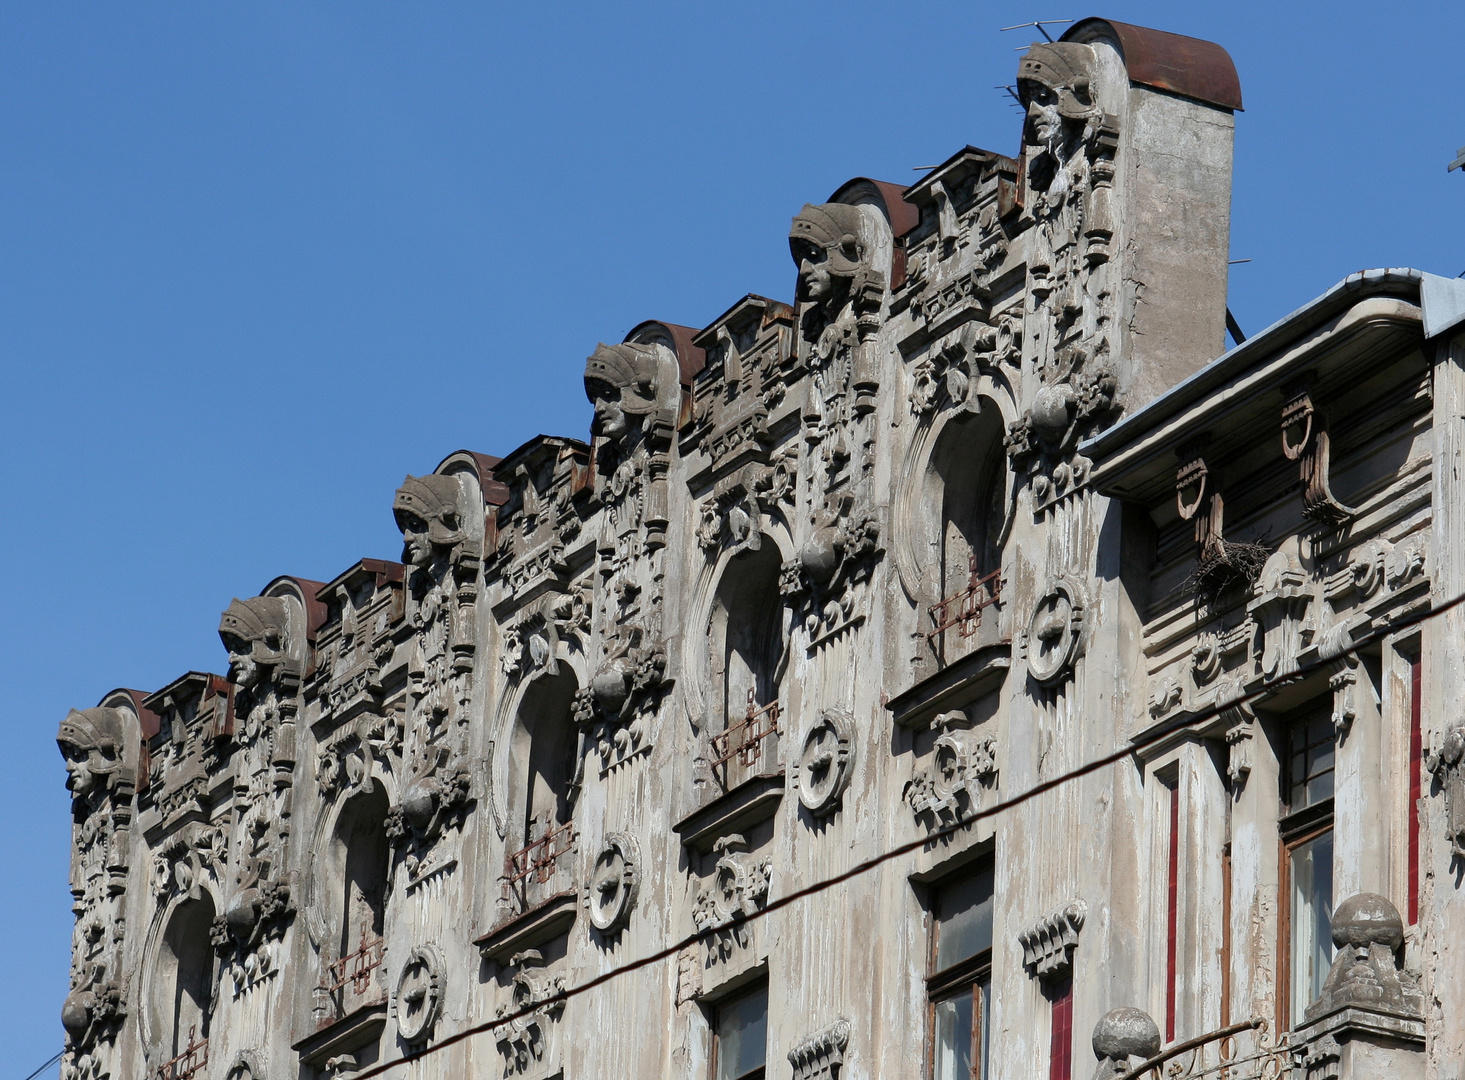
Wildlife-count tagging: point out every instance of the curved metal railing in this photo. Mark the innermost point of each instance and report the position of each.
(1239, 1052)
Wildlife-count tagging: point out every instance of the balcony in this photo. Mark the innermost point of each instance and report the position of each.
(349, 980)
(737, 750)
(188, 1064)
(536, 864)
(962, 612)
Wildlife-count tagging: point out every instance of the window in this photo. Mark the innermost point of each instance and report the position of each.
(185, 985)
(959, 987)
(361, 856)
(1306, 831)
(745, 637)
(1416, 754)
(740, 1036)
(968, 475)
(1172, 903)
(1060, 1030)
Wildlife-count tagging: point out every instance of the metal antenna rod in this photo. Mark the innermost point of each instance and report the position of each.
(1039, 24)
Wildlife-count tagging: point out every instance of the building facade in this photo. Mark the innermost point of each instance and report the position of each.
(1127, 666)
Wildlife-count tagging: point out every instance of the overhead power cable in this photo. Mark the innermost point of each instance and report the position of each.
(46, 1066)
(1158, 735)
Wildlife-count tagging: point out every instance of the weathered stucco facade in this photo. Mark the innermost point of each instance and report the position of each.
(830, 578)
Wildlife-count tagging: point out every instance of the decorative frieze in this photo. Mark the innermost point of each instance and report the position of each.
(820, 1055)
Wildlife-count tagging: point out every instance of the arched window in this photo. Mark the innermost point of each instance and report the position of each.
(544, 770)
(966, 493)
(185, 979)
(746, 638)
(362, 860)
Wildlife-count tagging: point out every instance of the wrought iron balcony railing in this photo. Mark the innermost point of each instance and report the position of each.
(538, 861)
(746, 739)
(188, 1064)
(1238, 1052)
(963, 610)
(355, 971)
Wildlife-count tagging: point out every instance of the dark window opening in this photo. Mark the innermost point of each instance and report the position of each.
(959, 986)
(740, 1036)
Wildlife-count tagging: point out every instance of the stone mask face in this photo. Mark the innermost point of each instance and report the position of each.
(814, 280)
(610, 416)
(416, 547)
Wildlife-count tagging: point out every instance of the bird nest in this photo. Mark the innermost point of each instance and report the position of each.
(1227, 567)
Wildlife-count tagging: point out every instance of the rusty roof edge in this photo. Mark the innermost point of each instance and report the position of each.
(1229, 365)
(1191, 67)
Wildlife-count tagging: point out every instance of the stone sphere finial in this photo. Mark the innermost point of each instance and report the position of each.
(1365, 918)
(1124, 1033)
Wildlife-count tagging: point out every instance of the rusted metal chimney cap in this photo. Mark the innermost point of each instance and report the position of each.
(1187, 66)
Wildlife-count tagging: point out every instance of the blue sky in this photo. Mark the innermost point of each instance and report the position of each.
(258, 261)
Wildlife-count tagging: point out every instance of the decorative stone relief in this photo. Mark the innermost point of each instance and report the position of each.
(842, 298)
(94, 745)
(615, 880)
(825, 763)
(539, 527)
(742, 390)
(1447, 764)
(1047, 945)
(1054, 638)
(357, 650)
(522, 1040)
(265, 639)
(344, 763)
(443, 554)
(418, 999)
(194, 711)
(636, 392)
(735, 516)
(190, 857)
(820, 1056)
(962, 761)
(739, 887)
(1281, 600)
(1069, 144)
(246, 1066)
(532, 641)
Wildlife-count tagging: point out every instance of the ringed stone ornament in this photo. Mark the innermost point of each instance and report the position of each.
(1055, 632)
(418, 999)
(822, 769)
(615, 881)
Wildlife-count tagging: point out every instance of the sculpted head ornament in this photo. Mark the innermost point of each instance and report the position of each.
(254, 632)
(92, 742)
(1055, 82)
(621, 381)
(825, 242)
(426, 509)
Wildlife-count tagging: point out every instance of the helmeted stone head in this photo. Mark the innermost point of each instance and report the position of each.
(1055, 83)
(622, 382)
(427, 512)
(93, 742)
(255, 633)
(825, 243)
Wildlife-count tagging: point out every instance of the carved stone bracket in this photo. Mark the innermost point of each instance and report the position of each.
(825, 763)
(1047, 945)
(522, 1040)
(820, 1056)
(1447, 764)
(247, 936)
(739, 887)
(1305, 441)
(615, 880)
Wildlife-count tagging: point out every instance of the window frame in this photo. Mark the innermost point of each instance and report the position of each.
(972, 974)
(1296, 826)
(716, 1010)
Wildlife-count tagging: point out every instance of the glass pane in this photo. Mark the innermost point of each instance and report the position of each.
(964, 917)
(742, 1035)
(1310, 773)
(953, 1041)
(1312, 916)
